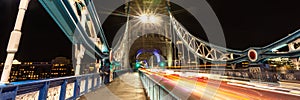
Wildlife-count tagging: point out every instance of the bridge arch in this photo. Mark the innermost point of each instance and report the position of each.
(150, 45)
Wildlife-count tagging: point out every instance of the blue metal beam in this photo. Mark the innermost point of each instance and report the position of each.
(63, 15)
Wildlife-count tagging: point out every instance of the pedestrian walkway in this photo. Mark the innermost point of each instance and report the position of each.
(125, 87)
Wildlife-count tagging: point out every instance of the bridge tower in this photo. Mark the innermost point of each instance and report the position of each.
(149, 28)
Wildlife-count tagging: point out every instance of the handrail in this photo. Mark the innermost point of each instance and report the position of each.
(62, 88)
(155, 91)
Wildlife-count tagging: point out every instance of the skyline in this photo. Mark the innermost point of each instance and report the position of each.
(261, 24)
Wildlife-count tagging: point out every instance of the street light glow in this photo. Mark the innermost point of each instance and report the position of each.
(154, 19)
(149, 18)
(143, 18)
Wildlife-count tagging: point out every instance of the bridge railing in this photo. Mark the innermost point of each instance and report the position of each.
(154, 90)
(64, 88)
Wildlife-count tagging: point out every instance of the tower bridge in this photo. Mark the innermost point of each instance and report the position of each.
(185, 66)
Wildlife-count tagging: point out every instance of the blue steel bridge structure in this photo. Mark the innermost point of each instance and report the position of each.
(85, 32)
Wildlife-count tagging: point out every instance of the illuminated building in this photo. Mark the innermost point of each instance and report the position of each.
(59, 67)
(30, 71)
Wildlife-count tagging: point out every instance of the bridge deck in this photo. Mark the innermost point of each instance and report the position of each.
(125, 87)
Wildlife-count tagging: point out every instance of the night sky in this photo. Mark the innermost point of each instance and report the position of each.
(246, 23)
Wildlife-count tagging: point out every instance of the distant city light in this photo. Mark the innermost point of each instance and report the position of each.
(16, 62)
(137, 64)
(162, 64)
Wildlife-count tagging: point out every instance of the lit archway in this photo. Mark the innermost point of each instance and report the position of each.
(155, 60)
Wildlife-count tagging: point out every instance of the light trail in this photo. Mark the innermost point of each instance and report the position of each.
(201, 87)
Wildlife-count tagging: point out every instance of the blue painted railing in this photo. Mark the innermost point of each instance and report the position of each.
(64, 88)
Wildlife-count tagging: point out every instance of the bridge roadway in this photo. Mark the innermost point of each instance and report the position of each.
(125, 87)
(192, 88)
(129, 87)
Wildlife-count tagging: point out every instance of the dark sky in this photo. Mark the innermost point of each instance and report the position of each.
(246, 23)
(42, 40)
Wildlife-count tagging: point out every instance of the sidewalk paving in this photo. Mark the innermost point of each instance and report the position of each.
(125, 87)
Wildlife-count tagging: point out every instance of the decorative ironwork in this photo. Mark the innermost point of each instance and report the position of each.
(29, 96)
(70, 90)
(53, 93)
(203, 49)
